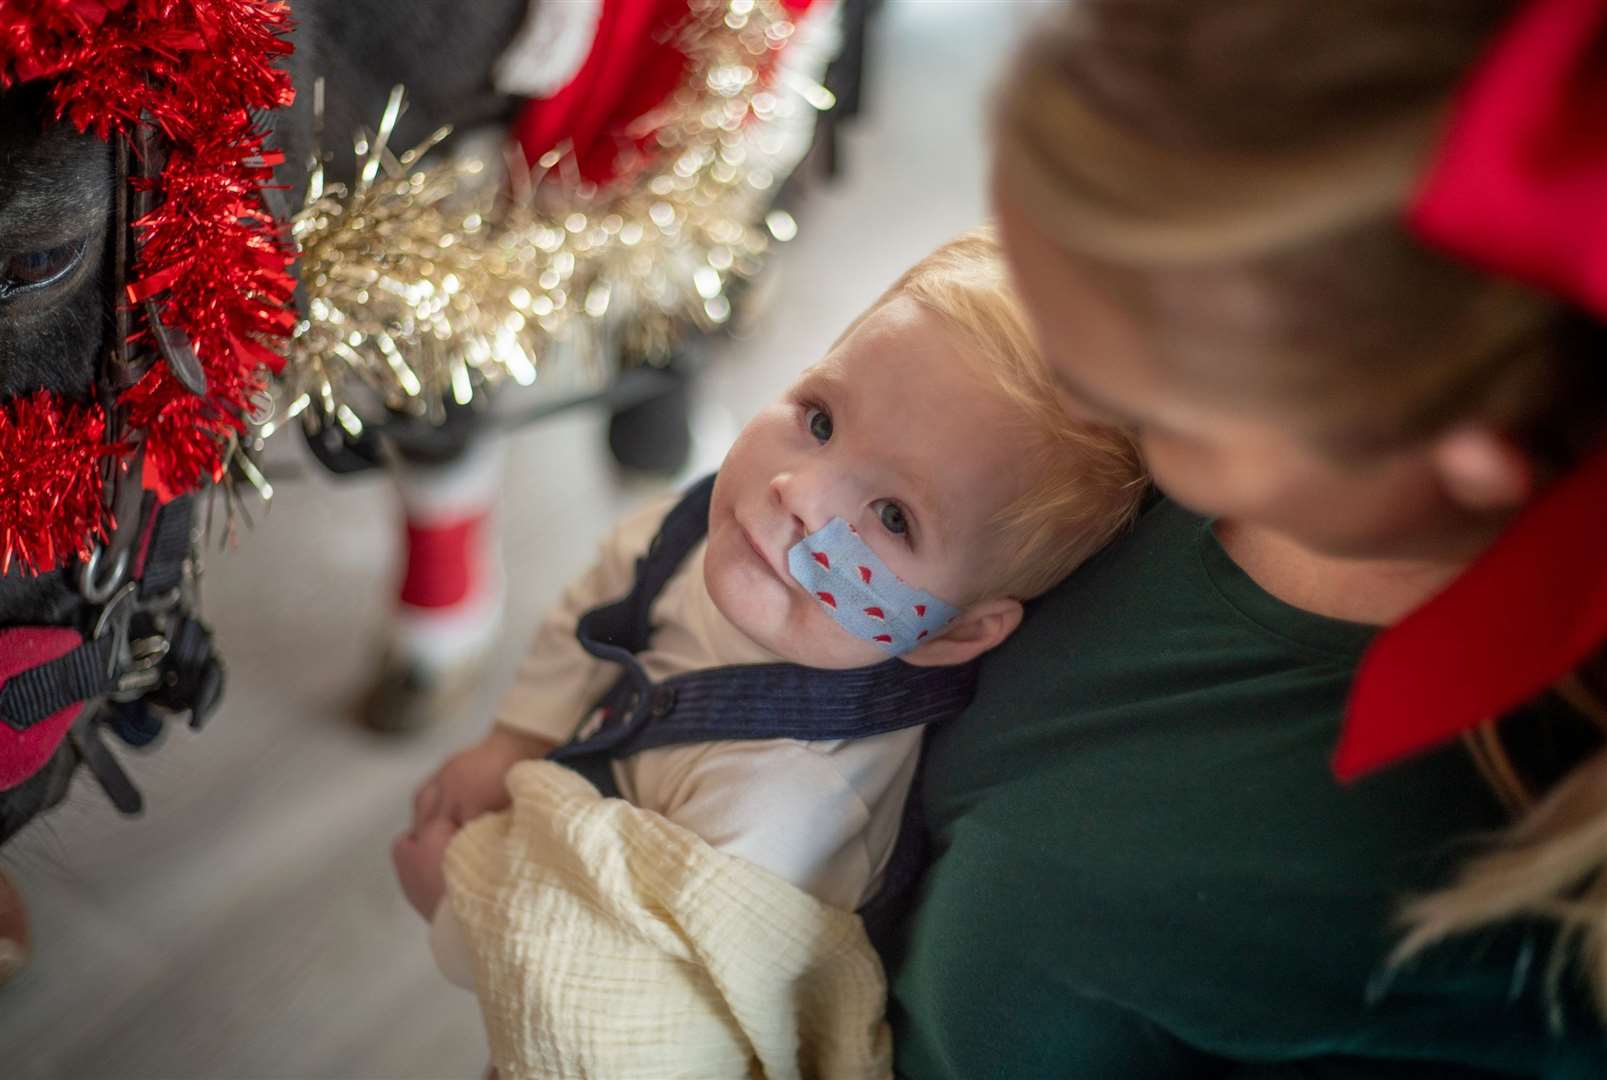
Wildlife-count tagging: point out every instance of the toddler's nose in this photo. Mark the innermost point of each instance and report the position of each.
(792, 494)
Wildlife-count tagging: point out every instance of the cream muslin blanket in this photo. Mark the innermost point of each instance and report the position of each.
(611, 943)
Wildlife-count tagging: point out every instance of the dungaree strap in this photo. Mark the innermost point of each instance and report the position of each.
(787, 701)
(616, 632)
(620, 629)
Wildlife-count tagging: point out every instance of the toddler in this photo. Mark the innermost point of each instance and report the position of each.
(757, 661)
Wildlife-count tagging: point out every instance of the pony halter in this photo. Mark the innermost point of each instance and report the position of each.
(201, 295)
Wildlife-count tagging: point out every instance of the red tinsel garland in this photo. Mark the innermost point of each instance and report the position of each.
(208, 255)
(50, 457)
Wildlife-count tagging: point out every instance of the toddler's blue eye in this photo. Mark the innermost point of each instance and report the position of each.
(819, 425)
(893, 519)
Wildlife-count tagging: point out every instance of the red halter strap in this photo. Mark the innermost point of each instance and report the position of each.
(24, 752)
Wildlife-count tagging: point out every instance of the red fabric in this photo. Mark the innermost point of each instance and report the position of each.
(23, 753)
(630, 70)
(143, 548)
(443, 562)
(152, 479)
(632, 67)
(1519, 188)
(1526, 613)
(1519, 184)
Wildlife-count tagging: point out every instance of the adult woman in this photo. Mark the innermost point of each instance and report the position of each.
(1147, 868)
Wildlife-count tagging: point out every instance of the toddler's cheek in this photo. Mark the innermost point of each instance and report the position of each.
(820, 641)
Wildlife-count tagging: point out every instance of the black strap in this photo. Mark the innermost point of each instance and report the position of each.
(85, 673)
(684, 527)
(80, 675)
(598, 769)
(787, 701)
(195, 673)
(615, 631)
(169, 547)
(104, 767)
(885, 911)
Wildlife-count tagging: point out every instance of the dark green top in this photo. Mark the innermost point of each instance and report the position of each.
(1146, 869)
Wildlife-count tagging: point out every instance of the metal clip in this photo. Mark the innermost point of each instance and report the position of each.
(163, 602)
(144, 671)
(97, 587)
(99, 579)
(114, 619)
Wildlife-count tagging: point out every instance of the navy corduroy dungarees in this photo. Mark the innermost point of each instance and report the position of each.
(752, 701)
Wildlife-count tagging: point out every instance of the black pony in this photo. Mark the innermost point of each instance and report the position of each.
(56, 209)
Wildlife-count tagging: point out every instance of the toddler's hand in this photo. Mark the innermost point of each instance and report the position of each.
(417, 857)
(471, 781)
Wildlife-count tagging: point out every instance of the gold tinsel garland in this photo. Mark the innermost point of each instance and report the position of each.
(418, 294)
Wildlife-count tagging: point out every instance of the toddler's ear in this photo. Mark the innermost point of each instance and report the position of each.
(977, 629)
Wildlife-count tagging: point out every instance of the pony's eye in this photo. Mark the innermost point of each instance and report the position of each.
(35, 268)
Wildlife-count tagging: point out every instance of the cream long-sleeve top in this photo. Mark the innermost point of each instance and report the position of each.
(822, 815)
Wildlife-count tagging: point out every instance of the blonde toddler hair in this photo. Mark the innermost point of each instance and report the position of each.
(1087, 479)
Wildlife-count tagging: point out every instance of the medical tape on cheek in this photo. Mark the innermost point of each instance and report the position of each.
(858, 590)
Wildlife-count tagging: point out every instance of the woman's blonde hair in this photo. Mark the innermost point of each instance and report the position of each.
(1236, 175)
(1249, 211)
(1086, 479)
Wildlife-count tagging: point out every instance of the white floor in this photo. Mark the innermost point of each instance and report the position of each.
(248, 925)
